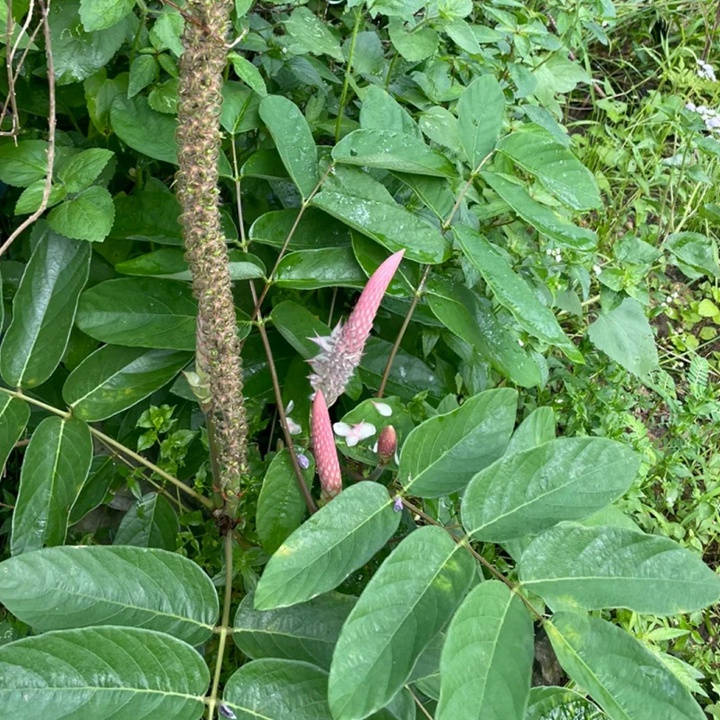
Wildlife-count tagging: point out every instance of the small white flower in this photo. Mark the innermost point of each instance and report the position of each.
(691, 106)
(521, 343)
(597, 269)
(383, 408)
(705, 71)
(353, 434)
(293, 427)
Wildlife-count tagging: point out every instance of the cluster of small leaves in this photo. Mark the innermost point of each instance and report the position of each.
(351, 131)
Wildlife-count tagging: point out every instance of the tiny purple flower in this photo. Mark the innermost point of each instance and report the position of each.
(225, 711)
(303, 462)
(397, 504)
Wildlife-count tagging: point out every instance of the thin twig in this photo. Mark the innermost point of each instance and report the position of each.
(44, 9)
(421, 707)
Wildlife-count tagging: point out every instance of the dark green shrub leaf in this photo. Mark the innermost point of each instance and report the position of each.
(392, 151)
(556, 703)
(619, 672)
(114, 378)
(542, 218)
(312, 269)
(281, 507)
(536, 151)
(441, 456)
(537, 428)
(248, 73)
(315, 230)
(31, 197)
(23, 164)
(66, 587)
(88, 216)
(487, 658)
(143, 71)
(694, 253)
(143, 129)
(307, 631)
(140, 312)
(414, 46)
(150, 523)
(278, 689)
(592, 568)
(14, 414)
(405, 604)
(530, 491)
(56, 463)
(87, 674)
(293, 140)
(513, 292)
(380, 111)
(101, 14)
(480, 112)
(44, 310)
(312, 34)
(298, 325)
(625, 335)
(82, 170)
(335, 541)
(240, 109)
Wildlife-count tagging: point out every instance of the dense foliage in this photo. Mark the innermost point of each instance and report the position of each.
(528, 521)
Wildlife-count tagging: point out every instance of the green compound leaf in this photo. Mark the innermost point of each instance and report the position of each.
(140, 312)
(56, 463)
(281, 507)
(530, 491)
(480, 117)
(14, 414)
(620, 673)
(103, 672)
(114, 378)
(487, 659)
(441, 455)
(513, 292)
(68, 587)
(323, 551)
(406, 603)
(535, 150)
(293, 140)
(278, 689)
(44, 310)
(591, 568)
(307, 631)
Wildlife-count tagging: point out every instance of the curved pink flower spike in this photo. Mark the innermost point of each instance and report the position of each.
(342, 350)
(326, 457)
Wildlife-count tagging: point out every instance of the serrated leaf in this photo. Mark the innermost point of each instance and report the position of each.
(14, 414)
(339, 538)
(88, 673)
(101, 14)
(535, 150)
(143, 71)
(405, 604)
(23, 164)
(530, 491)
(487, 659)
(390, 150)
(480, 118)
(31, 197)
(114, 378)
(623, 676)
(67, 587)
(441, 455)
(281, 507)
(277, 689)
(140, 312)
(293, 140)
(625, 335)
(514, 293)
(88, 216)
(307, 631)
(56, 463)
(80, 172)
(542, 218)
(150, 523)
(593, 568)
(44, 309)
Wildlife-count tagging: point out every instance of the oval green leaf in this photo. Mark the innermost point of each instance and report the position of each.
(406, 603)
(323, 551)
(312, 269)
(558, 703)
(123, 673)
(14, 414)
(625, 678)
(530, 491)
(592, 568)
(150, 523)
(140, 312)
(441, 455)
(315, 230)
(56, 463)
(44, 310)
(139, 126)
(480, 118)
(114, 378)
(537, 428)
(513, 292)
(487, 659)
(307, 631)
(67, 587)
(279, 690)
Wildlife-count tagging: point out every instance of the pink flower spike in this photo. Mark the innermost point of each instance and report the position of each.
(326, 457)
(342, 350)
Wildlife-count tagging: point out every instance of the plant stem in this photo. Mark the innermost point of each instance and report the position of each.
(224, 623)
(348, 73)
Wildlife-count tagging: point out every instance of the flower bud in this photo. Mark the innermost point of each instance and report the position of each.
(326, 457)
(387, 443)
